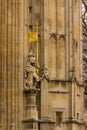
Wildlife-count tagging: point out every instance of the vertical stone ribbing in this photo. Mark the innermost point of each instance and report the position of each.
(11, 40)
(26, 29)
(77, 37)
(67, 38)
(13, 65)
(1, 94)
(80, 40)
(61, 42)
(21, 60)
(9, 63)
(17, 63)
(80, 62)
(50, 23)
(71, 31)
(4, 63)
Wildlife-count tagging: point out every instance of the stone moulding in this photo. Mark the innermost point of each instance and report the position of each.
(73, 120)
(58, 91)
(59, 80)
(30, 120)
(65, 80)
(32, 90)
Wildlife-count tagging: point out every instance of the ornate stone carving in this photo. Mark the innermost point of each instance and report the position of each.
(54, 35)
(44, 73)
(63, 36)
(31, 77)
(58, 36)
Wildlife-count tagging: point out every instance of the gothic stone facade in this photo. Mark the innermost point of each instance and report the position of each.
(59, 105)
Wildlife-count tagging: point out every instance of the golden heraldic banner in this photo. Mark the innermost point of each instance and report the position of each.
(33, 36)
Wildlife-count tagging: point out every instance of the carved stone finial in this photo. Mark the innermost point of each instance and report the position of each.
(44, 73)
(31, 54)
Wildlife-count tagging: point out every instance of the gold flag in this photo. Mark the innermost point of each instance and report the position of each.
(33, 36)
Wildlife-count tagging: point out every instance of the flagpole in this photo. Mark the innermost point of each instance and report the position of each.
(37, 44)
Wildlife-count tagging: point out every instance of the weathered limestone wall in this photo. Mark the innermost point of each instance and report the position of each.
(63, 58)
(13, 44)
(15, 18)
(60, 50)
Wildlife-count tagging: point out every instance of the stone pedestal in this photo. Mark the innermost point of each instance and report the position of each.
(31, 119)
(13, 126)
(30, 124)
(47, 124)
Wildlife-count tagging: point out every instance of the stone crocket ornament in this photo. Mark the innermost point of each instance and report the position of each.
(31, 77)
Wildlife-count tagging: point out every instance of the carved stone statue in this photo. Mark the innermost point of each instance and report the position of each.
(31, 77)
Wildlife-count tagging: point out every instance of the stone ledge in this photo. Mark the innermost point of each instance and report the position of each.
(65, 80)
(30, 90)
(74, 121)
(58, 91)
(46, 120)
(59, 80)
(30, 120)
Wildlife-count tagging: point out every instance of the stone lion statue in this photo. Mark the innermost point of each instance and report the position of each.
(31, 76)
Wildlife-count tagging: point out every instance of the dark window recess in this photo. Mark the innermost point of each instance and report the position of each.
(78, 116)
(85, 101)
(59, 116)
(30, 7)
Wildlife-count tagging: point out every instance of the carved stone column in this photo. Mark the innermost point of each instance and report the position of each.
(31, 108)
(31, 117)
